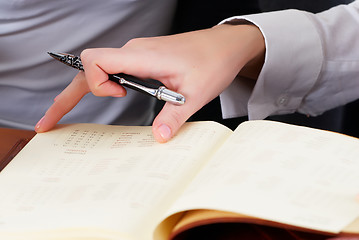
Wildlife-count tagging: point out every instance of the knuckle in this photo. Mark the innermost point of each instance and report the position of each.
(85, 53)
(87, 57)
(137, 42)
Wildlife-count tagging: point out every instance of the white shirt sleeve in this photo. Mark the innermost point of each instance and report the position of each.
(311, 64)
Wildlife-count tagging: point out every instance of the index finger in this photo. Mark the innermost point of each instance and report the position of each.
(64, 103)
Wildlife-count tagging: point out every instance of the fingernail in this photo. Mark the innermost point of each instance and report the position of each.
(165, 132)
(38, 124)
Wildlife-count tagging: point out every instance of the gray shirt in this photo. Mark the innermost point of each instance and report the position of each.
(30, 79)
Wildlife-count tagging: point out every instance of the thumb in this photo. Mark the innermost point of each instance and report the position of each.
(170, 119)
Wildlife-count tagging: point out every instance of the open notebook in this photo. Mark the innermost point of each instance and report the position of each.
(90, 181)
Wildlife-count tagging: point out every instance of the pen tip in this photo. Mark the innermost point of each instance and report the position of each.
(51, 53)
(55, 55)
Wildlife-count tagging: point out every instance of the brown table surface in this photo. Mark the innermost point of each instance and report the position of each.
(11, 137)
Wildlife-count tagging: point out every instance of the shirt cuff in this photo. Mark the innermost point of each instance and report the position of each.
(292, 64)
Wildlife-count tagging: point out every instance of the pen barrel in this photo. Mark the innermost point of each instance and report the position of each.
(148, 83)
(149, 86)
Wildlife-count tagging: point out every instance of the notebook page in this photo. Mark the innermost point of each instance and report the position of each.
(117, 178)
(283, 173)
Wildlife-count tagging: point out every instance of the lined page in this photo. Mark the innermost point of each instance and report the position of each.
(285, 173)
(109, 177)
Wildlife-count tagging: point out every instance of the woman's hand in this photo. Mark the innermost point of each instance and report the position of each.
(199, 65)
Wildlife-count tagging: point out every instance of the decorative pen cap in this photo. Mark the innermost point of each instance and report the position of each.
(68, 59)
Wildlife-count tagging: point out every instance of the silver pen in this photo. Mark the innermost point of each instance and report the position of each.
(149, 86)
